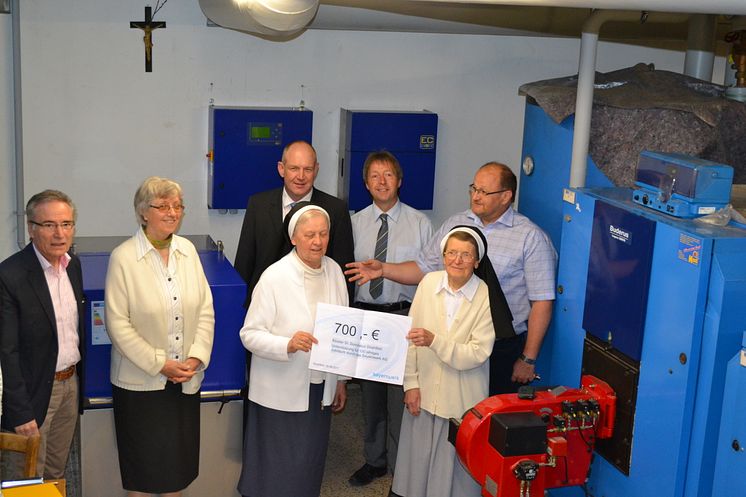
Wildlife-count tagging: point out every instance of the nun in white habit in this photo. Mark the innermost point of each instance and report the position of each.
(290, 406)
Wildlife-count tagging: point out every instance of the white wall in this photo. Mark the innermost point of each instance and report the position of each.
(7, 179)
(95, 124)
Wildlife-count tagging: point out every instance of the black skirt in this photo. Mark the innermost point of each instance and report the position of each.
(157, 438)
(285, 452)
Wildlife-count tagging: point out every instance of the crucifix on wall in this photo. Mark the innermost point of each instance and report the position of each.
(148, 26)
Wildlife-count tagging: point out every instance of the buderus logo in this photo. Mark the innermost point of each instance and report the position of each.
(620, 234)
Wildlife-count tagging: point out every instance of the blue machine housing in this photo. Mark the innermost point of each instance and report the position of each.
(688, 305)
(410, 136)
(693, 322)
(245, 144)
(225, 375)
(681, 185)
(549, 146)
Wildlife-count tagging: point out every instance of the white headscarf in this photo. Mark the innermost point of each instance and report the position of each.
(297, 214)
(468, 231)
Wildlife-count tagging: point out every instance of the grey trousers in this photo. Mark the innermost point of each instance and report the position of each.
(382, 405)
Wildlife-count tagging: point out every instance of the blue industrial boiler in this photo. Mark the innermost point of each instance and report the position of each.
(653, 305)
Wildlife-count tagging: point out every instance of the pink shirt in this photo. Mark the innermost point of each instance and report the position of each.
(65, 311)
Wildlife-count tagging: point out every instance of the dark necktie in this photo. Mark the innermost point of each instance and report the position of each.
(376, 285)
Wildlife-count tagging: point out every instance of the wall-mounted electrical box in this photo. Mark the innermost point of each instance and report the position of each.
(410, 136)
(245, 144)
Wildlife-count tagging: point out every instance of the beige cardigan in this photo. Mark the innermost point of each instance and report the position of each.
(453, 373)
(136, 314)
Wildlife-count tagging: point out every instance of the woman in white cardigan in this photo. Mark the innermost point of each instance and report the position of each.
(289, 412)
(447, 370)
(160, 318)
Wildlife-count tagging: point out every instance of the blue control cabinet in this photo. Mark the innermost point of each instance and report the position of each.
(692, 322)
(245, 145)
(225, 375)
(681, 185)
(410, 136)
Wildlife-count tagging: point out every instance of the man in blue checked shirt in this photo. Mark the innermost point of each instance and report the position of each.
(524, 260)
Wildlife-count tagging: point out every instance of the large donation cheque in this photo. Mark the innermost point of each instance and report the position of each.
(361, 344)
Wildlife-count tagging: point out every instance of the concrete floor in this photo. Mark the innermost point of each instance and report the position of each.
(345, 454)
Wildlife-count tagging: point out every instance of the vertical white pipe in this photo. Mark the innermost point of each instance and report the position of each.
(18, 123)
(700, 47)
(583, 109)
(584, 95)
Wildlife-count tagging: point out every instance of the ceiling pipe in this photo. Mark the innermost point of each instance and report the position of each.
(15, 15)
(725, 7)
(700, 47)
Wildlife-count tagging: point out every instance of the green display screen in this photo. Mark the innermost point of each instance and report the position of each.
(260, 132)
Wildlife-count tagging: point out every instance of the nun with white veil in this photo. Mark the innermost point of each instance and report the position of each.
(290, 406)
(447, 369)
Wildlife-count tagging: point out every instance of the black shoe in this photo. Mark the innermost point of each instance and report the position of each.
(392, 494)
(365, 475)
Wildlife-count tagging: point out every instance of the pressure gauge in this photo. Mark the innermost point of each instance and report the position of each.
(528, 165)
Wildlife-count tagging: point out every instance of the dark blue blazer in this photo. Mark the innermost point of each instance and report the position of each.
(28, 336)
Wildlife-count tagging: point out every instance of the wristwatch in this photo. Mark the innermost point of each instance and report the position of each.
(528, 361)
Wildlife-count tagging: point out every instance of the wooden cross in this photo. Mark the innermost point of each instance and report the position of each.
(148, 26)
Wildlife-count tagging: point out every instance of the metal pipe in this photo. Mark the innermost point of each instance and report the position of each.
(586, 77)
(18, 122)
(700, 47)
(725, 7)
(584, 95)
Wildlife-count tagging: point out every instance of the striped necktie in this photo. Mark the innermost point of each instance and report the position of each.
(376, 285)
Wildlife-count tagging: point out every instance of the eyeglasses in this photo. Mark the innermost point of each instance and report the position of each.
(50, 226)
(454, 254)
(473, 190)
(164, 208)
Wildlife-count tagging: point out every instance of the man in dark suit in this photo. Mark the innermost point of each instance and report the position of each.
(262, 241)
(41, 332)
